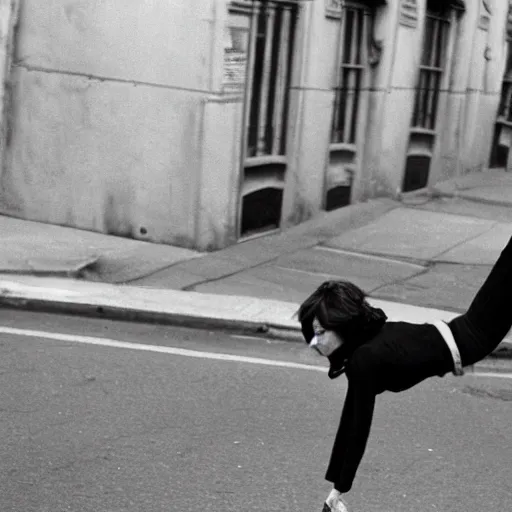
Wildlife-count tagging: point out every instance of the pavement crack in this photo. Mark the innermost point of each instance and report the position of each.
(400, 281)
(465, 241)
(504, 395)
(191, 287)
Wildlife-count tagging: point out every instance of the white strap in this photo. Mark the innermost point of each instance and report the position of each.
(447, 335)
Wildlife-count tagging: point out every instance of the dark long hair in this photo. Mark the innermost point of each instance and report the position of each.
(341, 306)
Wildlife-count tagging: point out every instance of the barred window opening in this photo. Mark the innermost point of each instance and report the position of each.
(271, 75)
(432, 67)
(356, 27)
(505, 108)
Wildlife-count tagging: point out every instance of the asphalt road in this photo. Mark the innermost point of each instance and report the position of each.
(143, 425)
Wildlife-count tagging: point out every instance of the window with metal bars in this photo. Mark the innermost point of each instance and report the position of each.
(355, 29)
(433, 63)
(505, 108)
(270, 76)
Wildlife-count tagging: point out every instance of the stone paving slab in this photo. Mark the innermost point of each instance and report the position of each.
(190, 272)
(366, 271)
(261, 250)
(62, 263)
(413, 234)
(492, 187)
(176, 277)
(461, 206)
(294, 276)
(37, 247)
(482, 250)
(267, 281)
(127, 264)
(491, 194)
(445, 286)
(35, 253)
(277, 282)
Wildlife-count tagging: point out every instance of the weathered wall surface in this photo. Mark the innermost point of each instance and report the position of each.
(119, 121)
(467, 104)
(311, 105)
(8, 19)
(474, 95)
(107, 115)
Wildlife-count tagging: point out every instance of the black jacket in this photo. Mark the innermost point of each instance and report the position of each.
(398, 357)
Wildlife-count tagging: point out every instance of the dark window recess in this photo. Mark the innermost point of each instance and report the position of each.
(499, 153)
(338, 197)
(261, 211)
(443, 6)
(416, 172)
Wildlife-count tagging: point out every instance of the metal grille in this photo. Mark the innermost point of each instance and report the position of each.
(432, 66)
(269, 78)
(355, 29)
(505, 109)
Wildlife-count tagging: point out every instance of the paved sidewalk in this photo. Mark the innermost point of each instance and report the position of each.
(419, 259)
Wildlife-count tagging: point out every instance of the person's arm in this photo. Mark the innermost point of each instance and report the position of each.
(355, 423)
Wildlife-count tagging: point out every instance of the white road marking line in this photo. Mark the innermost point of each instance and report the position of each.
(106, 342)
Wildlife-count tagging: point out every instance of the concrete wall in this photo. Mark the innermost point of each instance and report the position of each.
(313, 170)
(390, 135)
(467, 105)
(389, 118)
(119, 120)
(474, 93)
(478, 152)
(311, 101)
(220, 146)
(108, 115)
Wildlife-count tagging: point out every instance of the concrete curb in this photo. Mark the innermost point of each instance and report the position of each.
(207, 311)
(247, 315)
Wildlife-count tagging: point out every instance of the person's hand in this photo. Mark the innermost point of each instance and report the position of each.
(334, 503)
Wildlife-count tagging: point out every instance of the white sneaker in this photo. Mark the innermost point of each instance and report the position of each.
(338, 507)
(334, 503)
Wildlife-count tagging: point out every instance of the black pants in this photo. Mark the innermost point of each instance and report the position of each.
(489, 318)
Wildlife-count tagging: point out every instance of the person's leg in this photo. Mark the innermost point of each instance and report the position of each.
(489, 318)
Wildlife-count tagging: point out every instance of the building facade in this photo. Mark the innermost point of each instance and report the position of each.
(203, 123)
